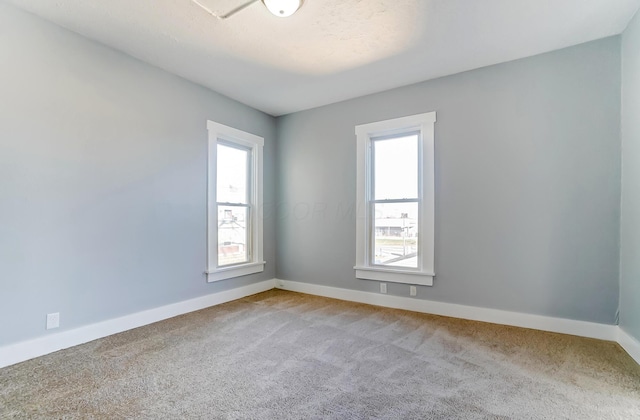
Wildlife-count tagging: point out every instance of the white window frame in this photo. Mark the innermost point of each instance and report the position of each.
(365, 268)
(255, 144)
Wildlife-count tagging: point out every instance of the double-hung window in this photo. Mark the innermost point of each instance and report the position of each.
(234, 203)
(395, 193)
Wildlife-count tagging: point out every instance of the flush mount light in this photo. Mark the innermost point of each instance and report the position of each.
(283, 8)
(280, 8)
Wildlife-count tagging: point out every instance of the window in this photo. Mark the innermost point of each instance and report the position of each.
(395, 186)
(234, 203)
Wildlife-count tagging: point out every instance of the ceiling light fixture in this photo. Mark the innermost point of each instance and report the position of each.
(280, 8)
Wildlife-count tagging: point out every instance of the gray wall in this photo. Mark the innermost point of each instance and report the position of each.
(103, 180)
(527, 185)
(630, 222)
(103, 188)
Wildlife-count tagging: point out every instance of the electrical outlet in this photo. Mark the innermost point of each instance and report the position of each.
(413, 291)
(53, 320)
(383, 287)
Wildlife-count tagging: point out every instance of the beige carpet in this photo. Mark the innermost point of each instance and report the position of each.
(283, 355)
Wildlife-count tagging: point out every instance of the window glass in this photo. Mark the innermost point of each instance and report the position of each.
(233, 235)
(232, 174)
(396, 167)
(395, 239)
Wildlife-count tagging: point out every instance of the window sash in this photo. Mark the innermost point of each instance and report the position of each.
(372, 157)
(247, 204)
(372, 201)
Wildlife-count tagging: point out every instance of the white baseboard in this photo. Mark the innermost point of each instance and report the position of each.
(26, 350)
(629, 344)
(19, 352)
(495, 316)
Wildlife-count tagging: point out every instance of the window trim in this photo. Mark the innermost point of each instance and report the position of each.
(255, 144)
(365, 133)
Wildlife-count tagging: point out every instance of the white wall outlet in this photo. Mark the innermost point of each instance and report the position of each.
(53, 320)
(383, 287)
(413, 291)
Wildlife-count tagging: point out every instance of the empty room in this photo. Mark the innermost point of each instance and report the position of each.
(320, 209)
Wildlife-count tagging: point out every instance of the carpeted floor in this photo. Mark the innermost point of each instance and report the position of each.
(283, 355)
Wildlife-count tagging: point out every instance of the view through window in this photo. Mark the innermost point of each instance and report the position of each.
(234, 212)
(396, 203)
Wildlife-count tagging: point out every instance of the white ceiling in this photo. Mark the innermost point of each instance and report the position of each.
(332, 50)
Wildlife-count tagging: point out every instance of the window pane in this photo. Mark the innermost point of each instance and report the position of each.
(396, 168)
(233, 246)
(396, 235)
(232, 175)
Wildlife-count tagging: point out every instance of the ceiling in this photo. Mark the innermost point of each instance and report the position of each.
(332, 50)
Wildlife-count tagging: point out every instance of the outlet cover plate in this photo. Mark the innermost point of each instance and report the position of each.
(53, 320)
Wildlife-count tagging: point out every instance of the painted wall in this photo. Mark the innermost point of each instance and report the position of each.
(630, 219)
(527, 185)
(103, 164)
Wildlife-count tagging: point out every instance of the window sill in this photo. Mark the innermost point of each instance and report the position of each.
(394, 275)
(234, 271)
